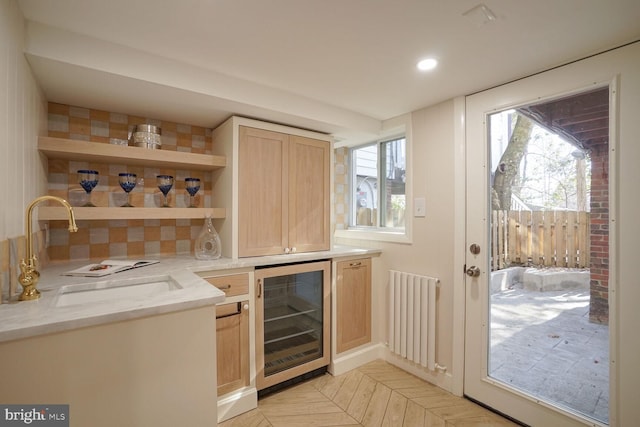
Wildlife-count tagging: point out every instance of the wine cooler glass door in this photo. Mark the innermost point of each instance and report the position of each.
(294, 321)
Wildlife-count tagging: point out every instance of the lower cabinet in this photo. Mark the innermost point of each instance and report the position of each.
(232, 338)
(353, 303)
(289, 332)
(232, 332)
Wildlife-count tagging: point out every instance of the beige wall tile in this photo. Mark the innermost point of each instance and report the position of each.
(79, 126)
(61, 109)
(135, 249)
(99, 251)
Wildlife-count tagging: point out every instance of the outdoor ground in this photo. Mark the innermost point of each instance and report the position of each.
(543, 343)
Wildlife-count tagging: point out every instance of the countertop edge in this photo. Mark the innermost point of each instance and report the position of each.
(103, 319)
(35, 318)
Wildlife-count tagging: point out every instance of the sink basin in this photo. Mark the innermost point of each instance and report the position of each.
(116, 291)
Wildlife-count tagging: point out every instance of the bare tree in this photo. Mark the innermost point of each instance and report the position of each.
(508, 170)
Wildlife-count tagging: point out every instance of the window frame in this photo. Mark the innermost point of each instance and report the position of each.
(378, 233)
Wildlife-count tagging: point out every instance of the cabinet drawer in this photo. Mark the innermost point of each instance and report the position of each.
(236, 284)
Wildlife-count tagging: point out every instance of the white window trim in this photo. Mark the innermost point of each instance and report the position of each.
(398, 126)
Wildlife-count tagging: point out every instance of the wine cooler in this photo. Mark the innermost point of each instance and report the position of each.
(292, 321)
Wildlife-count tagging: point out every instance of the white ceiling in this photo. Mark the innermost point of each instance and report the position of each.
(338, 66)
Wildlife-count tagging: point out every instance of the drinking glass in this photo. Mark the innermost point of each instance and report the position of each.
(88, 179)
(165, 182)
(127, 182)
(192, 186)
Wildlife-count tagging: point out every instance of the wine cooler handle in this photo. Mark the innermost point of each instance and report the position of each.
(259, 288)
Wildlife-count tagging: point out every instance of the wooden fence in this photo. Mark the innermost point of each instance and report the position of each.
(539, 238)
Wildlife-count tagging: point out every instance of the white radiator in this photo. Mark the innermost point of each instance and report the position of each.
(412, 317)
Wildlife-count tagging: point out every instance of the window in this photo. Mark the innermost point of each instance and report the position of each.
(378, 174)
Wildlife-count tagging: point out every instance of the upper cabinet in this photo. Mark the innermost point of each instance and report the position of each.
(283, 193)
(282, 181)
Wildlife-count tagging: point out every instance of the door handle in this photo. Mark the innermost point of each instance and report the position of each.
(259, 288)
(473, 271)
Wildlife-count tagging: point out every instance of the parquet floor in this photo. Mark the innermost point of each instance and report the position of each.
(376, 394)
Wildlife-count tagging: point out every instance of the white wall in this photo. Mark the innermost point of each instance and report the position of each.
(23, 116)
(432, 250)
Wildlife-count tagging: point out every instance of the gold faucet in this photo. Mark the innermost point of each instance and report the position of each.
(30, 276)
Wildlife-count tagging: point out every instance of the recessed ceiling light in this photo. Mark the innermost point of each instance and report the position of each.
(427, 64)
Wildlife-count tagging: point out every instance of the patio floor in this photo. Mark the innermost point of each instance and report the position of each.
(543, 344)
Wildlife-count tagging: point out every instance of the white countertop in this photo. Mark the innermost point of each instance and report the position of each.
(42, 316)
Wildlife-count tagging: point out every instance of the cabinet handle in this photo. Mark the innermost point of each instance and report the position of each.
(259, 288)
(293, 250)
(235, 313)
(355, 264)
(246, 306)
(224, 288)
(287, 250)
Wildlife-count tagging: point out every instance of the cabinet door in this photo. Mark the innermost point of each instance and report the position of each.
(353, 304)
(263, 196)
(232, 338)
(309, 163)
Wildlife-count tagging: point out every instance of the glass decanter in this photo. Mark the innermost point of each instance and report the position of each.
(208, 242)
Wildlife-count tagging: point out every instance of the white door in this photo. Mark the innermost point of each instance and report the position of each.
(600, 71)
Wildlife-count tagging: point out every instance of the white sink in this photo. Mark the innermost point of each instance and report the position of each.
(116, 291)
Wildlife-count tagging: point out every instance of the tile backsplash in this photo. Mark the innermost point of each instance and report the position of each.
(341, 188)
(5, 272)
(118, 238)
(12, 252)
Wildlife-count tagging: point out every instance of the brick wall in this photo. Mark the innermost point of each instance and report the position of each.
(599, 263)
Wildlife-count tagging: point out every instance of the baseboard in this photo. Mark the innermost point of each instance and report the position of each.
(237, 403)
(352, 359)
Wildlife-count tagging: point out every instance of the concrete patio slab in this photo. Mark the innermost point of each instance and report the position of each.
(543, 344)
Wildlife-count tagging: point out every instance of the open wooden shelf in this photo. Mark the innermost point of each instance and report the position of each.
(99, 213)
(69, 149)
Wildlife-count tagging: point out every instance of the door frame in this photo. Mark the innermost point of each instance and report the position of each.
(604, 74)
(460, 238)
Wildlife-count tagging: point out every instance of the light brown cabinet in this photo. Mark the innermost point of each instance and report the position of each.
(283, 183)
(232, 332)
(353, 303)
(232, 285)
(232, 340)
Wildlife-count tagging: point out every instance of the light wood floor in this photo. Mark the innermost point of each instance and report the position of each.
(376, 394)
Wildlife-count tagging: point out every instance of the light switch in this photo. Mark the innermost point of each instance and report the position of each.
(419, 207)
